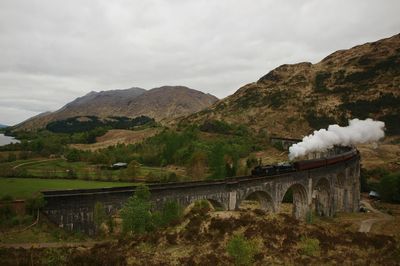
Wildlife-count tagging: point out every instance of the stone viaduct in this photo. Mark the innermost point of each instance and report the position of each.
(325, 190)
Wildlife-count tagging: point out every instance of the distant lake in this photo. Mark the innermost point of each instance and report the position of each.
(4, 140)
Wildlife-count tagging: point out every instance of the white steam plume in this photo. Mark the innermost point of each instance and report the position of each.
(357, 132)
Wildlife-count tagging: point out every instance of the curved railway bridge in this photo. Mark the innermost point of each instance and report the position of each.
(325, 189)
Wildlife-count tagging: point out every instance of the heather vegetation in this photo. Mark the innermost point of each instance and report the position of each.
(242, 250)
(364, 108)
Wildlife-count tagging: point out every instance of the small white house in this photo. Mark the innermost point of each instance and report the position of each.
(119, 165)
(374, 194)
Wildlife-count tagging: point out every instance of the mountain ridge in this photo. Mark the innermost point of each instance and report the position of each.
(160, 103)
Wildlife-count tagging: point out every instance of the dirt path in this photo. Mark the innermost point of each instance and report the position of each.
(41, 161)
(87, 244)
(366, 225)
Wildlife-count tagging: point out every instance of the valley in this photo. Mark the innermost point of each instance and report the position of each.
(210, 179)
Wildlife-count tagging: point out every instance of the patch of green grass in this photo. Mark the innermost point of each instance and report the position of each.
(309, 246)
(82, 170)
(24, 187)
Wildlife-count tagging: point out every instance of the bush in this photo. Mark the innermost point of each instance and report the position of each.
(309, 246)
(6, 213)
(320, 79)
(6, 198)
(318, 121)
(11, 157)
(21, 220)
(389, 187)
(172, 212)
(216, 126)
(279, 146)
(136, 215)
(154, 177)
(54, 256)
(242, 250)
(73, 156)
(251, 162)
(34, 203)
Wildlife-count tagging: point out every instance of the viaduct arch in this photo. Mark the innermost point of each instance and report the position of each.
(326, 190)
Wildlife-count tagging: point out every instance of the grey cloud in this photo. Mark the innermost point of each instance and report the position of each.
(54, 51)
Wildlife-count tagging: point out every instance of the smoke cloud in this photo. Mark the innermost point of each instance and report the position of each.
(357, 132)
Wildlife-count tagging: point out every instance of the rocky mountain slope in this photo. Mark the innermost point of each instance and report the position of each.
(292, 100)
(159, 103)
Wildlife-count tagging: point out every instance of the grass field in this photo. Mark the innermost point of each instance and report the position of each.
(58, 168)
(20, 188)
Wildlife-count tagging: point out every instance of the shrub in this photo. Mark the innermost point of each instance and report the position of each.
(317, 121)
(6, 198)
(73, 156)
(216, 126)
(249, 99)
(26, 219)
(171, 213)
(136, 215)
(34, 203)
(242, 250)
(54, 256)
(11, 157)
(277, 98)
(251, 162)
(320, 81)
(389, 187)
(6, 213)
(309, 246)
(279, 146)
(365, 108)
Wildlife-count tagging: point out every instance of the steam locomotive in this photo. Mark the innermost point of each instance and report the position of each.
(281, 168)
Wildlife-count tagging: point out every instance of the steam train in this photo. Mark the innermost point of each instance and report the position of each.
(269, 170)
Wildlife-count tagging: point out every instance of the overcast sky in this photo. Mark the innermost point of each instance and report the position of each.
(54, 51)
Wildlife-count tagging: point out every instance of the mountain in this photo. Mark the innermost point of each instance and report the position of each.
(3, 126)
(159, 103)
(292, 100)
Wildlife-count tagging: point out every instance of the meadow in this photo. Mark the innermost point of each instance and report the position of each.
(61, 168)
(21, 188)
